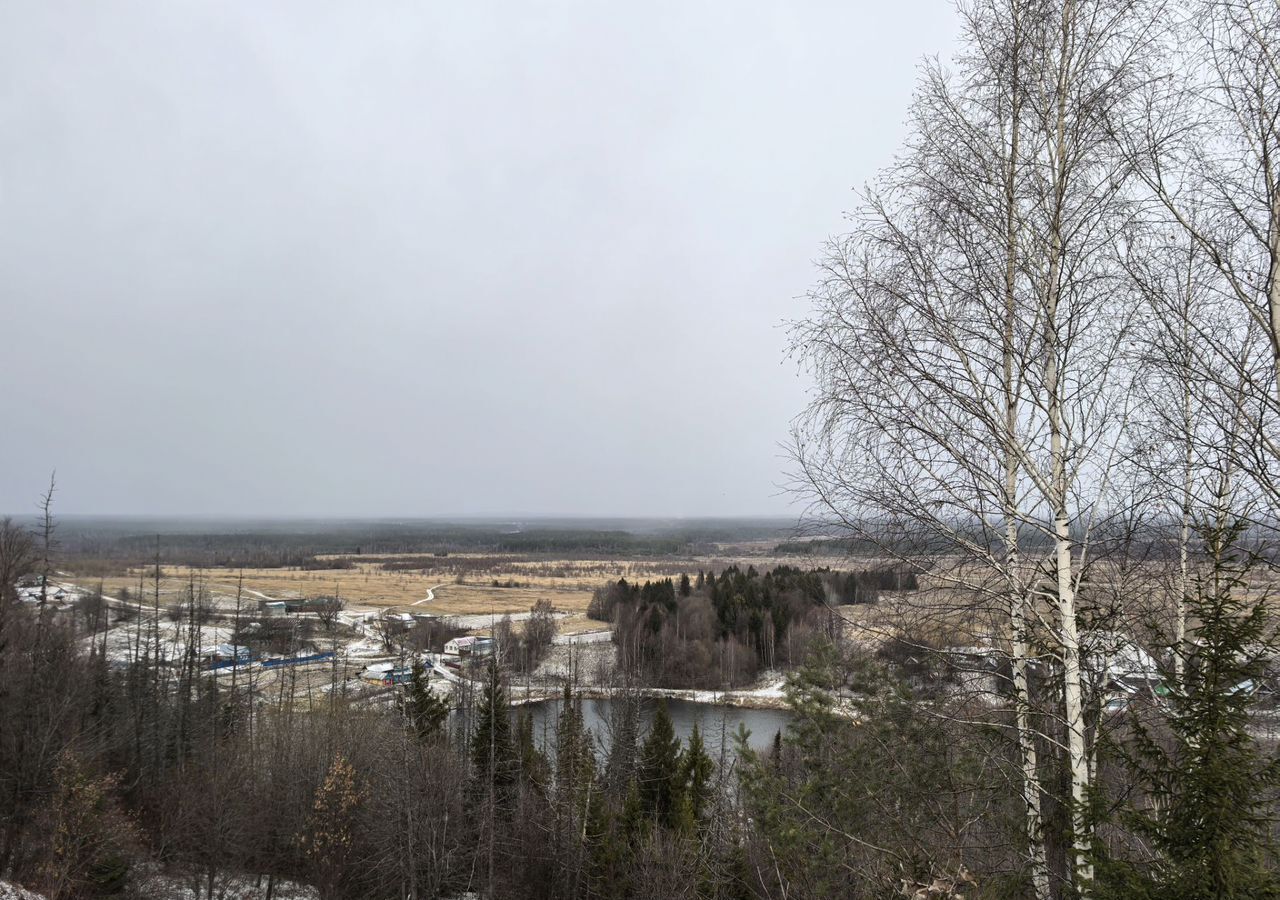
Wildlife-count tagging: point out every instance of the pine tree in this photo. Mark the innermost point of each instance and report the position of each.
(685, 587)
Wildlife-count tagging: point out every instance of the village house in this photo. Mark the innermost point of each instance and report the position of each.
(469, 645)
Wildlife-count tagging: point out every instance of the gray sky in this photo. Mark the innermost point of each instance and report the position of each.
(314, 258)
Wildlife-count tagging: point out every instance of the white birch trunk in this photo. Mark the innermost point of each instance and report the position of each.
(1055, 351)
(1188, 473)
(1273, 286)
(1069, 637)
(1019, 650)
(1027, 751)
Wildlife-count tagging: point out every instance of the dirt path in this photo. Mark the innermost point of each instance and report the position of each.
(431, 595)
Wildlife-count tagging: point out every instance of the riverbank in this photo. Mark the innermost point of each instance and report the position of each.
(769, 695)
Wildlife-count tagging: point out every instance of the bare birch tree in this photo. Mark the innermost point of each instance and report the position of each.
(1187, 429)
(1207, 147)
(968, 342)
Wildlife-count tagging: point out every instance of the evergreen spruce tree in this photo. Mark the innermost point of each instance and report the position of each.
(806, 853)
(575, 761)
(620, 768)
(696, 769)
(894, 753)
(579, 826)
(427, 713)
(659, 788)
(534, 769)
(614, 835)
(493, 756)
(634, 820)
(1206, 790)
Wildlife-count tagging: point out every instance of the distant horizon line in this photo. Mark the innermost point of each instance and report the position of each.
(463, 517)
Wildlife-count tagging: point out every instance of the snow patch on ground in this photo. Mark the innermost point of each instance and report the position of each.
(159, 886)
(601, 636)
(10, 891)
(488, 620)
(125, 638)
(769, 694)
(589, 661)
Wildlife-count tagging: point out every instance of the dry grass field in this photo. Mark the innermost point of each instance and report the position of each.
(458, 585)
(477, 587)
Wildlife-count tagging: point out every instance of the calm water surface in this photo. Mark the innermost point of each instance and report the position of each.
(713, 720)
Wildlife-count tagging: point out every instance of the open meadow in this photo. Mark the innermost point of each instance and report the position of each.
(466, 585)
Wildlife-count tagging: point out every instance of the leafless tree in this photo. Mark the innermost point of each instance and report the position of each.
(17, 557)
(386, 628)
(48, 542)
(1206, 142)
(968, 346)
(1187, 430)
(329, 610)
(540, 631)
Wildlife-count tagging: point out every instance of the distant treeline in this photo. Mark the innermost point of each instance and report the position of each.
(717, 631)
(112, 545)
(1146, 539)
(270, 548)
(825, 547)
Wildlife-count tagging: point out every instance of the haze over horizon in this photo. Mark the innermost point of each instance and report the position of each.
(334, 260)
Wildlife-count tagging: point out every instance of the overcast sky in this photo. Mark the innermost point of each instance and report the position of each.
(419, 259)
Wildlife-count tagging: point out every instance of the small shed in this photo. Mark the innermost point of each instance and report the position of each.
(377, 672)
(231, 652)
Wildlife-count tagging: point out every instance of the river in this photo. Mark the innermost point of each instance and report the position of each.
(712, 719)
